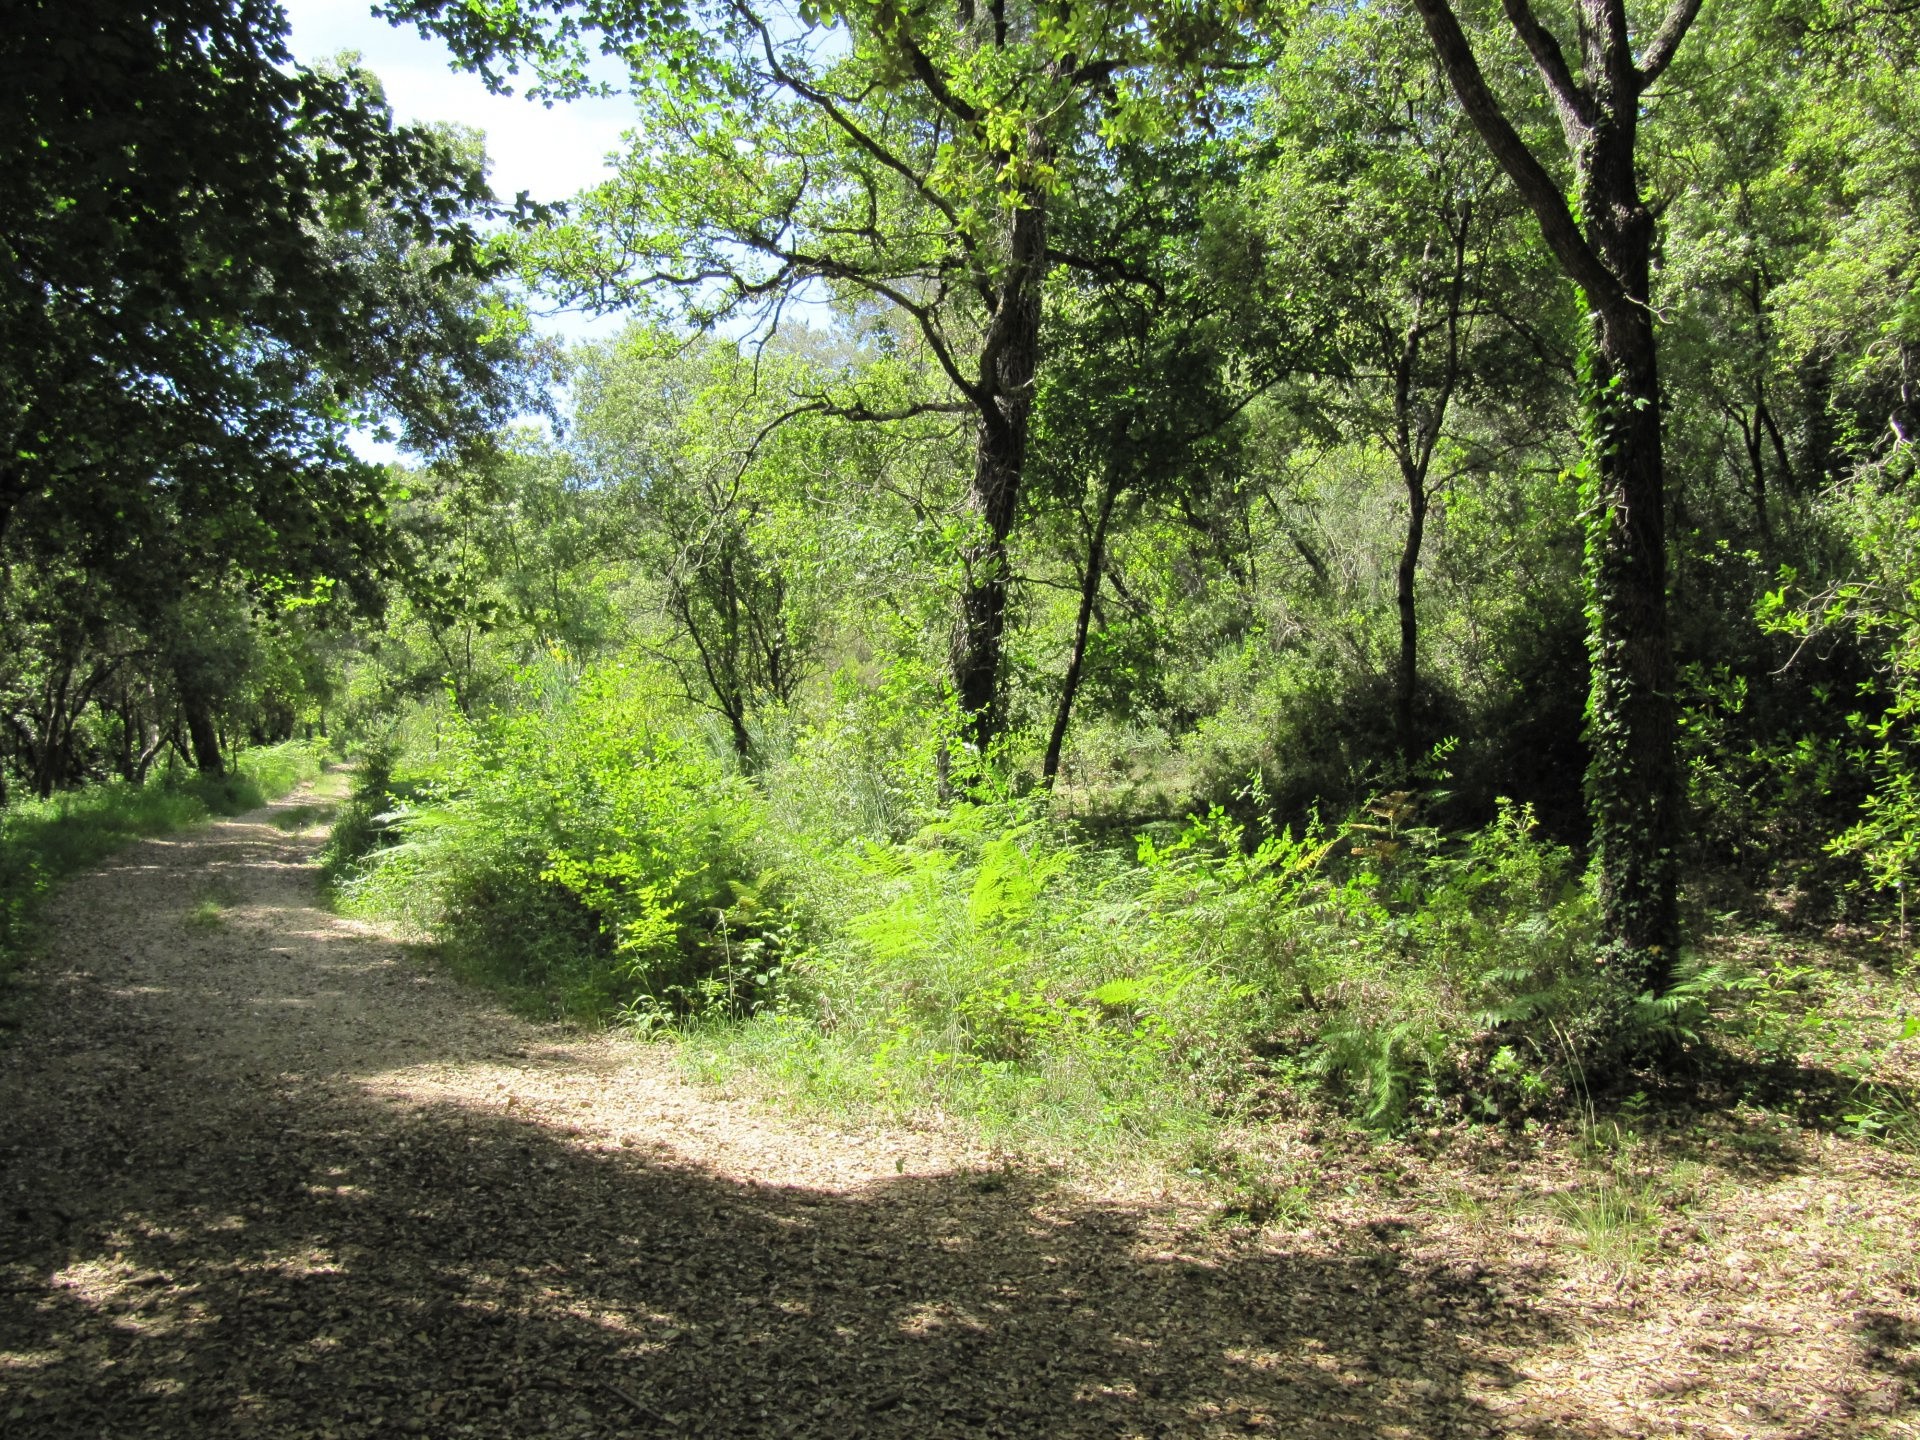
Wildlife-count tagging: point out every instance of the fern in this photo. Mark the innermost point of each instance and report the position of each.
(1682, 1012)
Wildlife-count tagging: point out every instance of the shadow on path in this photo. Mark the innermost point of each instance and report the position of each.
(202, 1242)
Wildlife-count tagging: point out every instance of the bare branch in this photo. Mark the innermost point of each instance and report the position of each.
(1666, 40)
(826, 105)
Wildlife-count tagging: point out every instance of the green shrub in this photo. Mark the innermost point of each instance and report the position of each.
(266, 772)
(587, 848)
(1387, 964)
(998, 965)
(364, 823)
(827, 923)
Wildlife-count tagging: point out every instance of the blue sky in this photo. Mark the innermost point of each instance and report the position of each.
(551, 153)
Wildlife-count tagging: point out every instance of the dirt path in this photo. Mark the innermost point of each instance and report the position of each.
(263, 1175)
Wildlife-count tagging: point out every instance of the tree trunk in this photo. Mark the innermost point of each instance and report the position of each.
(1820, 445)
(1089, 593)
(1633, 778)
(123, 761)
(204, 735)
(1751, 434)
(719, 653)
(1009, 360)
(50, 732)
(151, 752)
(742, 741)
(1763, 413)
(732, 688)
(1407, 676)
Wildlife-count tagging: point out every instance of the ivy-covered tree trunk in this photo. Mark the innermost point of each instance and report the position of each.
(1009, 361)
(1633, 777)
(1604, 243)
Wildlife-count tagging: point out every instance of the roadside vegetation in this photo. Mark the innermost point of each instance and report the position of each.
(1308, 610)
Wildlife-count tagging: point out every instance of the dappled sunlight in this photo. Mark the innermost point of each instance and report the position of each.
(460, 1253)
(307, 1187)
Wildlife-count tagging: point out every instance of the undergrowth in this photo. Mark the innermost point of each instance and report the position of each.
(1061, 993)
(582, 853)
(829, 927)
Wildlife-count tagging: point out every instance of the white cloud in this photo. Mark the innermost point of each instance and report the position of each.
(549, 153)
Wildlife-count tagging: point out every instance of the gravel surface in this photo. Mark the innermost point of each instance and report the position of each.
(264, 1174)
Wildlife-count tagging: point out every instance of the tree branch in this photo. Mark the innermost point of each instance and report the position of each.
(1570, 98)
(1537, 188)
(1107, 269)
(922, 315)
(825, 104)
(1667, 39)
(924, 71)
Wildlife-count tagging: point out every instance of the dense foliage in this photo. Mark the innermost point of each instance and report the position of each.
(215, 264)
(1131, 564)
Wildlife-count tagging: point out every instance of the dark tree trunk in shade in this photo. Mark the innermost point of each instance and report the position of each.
(1009, 361)
(204, 736)
(1406, 678)
(1083, 620)
(1633, 779)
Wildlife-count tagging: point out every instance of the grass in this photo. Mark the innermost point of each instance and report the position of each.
(1251, 1191)
(1886, 1114)
(1613, 1217)
(42, 842)
(1055, 1109)
(1615, 1213)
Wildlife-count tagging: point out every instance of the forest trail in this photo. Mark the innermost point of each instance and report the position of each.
(266, 1175)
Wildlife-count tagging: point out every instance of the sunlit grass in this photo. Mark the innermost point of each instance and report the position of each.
(296, 818)
(207, 915)
(1613, 1217)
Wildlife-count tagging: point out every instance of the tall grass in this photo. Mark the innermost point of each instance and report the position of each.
(44, 841)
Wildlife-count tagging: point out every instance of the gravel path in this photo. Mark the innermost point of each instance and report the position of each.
(263, 1174)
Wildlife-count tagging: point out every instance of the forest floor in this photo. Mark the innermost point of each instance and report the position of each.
(265, 1173)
